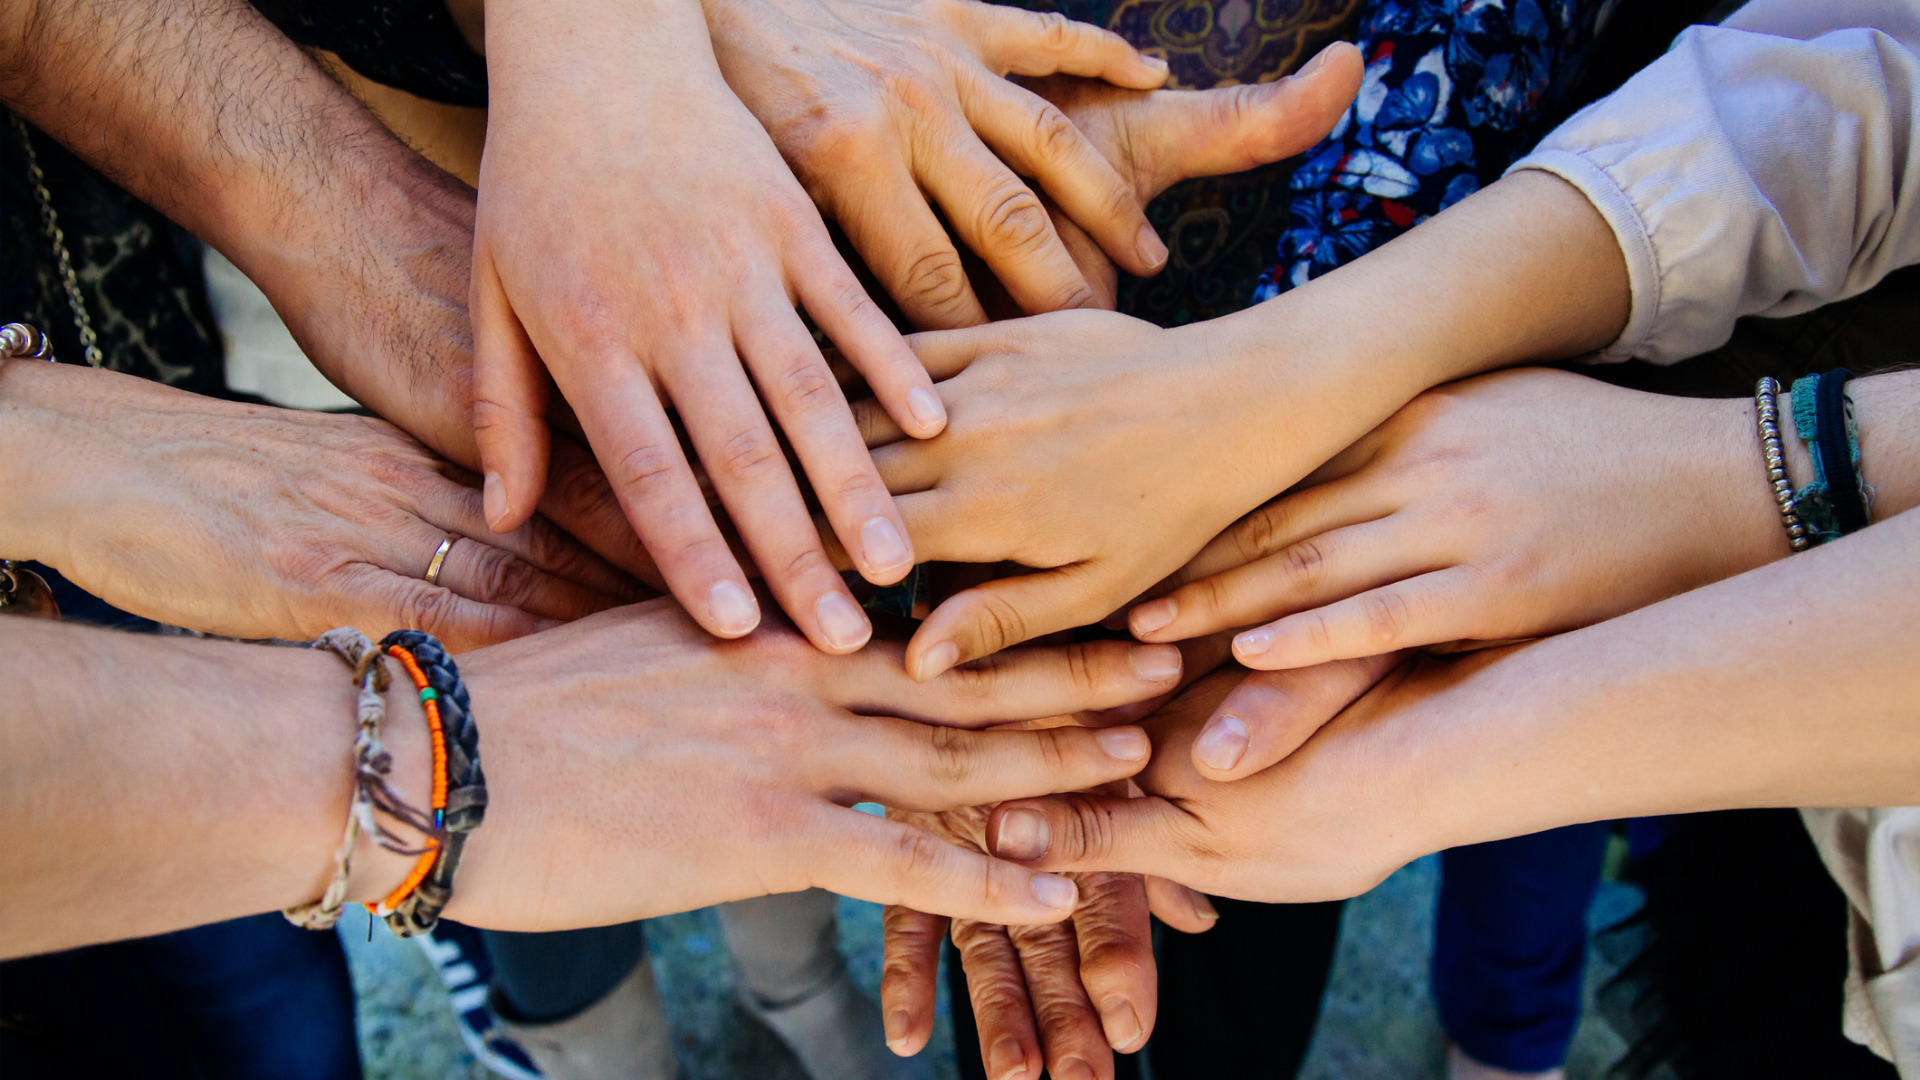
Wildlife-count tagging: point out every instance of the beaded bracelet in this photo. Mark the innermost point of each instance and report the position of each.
(460, 788)
(1837, 501)
(1766, 407)
(372, 765)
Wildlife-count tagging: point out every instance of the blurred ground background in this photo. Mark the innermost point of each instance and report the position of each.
(1378, 1022)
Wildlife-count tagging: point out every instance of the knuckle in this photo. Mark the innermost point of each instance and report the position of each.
(644, 467)
(503, 578)
(917, 854)
(950, 758)
(1385, 615)
(935, 280)
(1305, 562)
(1012, 220)
(1000, 623)
(808, 386)
(1259, 535)
(749, 455)
(1053, 33)
(1054, 138)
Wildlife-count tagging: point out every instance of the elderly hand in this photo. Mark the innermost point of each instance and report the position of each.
(265, 523)
(1061, 996)
(640, 240)
(1155, 140)
(1507, 506)
(882, 108)
(690, 771)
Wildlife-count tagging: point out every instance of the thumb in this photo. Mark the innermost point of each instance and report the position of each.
(1180, 135)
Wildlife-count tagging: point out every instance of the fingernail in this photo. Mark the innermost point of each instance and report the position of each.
(1005, 1061)
(494, 501)
(882, 546)
(1152, 615)
(1072, 1068)
(1222, 743)
(1121, 1024)
(1154, 62)
(1154, 663)
(1024, 835)
(841, 621)
(732, 608)
(935, 661)
(897, 1023)
(1055, 892)
(1253, 642)
(1124, 744)
(544, 624)
(1319, 61)
(925, 406)
(1202, 906)
(1151, 249)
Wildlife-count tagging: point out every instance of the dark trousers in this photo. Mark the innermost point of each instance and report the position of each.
(1510, 944)
(241, 1000)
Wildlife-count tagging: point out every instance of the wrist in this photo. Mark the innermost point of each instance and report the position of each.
(38, 445)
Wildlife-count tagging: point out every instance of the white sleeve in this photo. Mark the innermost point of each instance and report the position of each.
(1766, 166)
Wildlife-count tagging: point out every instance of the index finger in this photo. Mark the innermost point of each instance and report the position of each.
(912, 766)
(641, 457)
(869, 858)
(1013, 41)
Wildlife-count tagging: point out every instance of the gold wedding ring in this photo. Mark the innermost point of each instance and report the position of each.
(439, 559)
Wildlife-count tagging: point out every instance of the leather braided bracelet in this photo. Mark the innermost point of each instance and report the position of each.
(459, 787)
(372, 765)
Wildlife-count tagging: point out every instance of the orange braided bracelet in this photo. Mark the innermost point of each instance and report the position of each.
(428, 702)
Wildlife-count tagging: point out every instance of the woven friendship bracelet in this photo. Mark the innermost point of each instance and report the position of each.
(372, 764)
(1838, 499)
(1766, 410)
(460, 789)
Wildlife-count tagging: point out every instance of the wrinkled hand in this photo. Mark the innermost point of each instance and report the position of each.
(882, 108)
(1507, 506)
(637, 766)
(1061, 996)
(384, 317)
(657, 266)
(256, 522)
(1155, 140)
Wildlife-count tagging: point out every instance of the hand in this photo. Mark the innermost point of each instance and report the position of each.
(1059, 996)
(1098, 448)
(1503, 507)
(881, 107)
(690, 771)
(265, 523)
(1155, 140)
(1362, 797)
(660, 266)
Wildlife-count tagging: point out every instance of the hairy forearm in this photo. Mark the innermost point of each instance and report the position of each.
(204, 110)
(151, 783)
(1791, 685)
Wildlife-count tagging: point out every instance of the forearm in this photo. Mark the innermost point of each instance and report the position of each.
(1525, 270)
(148, 783)
(205, 111)
(1793, 685)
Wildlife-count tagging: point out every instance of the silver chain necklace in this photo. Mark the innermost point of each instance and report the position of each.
(23, 592)
(57, 238)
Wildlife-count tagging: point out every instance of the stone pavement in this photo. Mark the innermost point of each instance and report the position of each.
(1378, 1022)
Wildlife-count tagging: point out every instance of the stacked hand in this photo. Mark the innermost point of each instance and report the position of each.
(881, 107)
(1507, 506)
(1062, 995)
(265, 523)
(638, 767)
